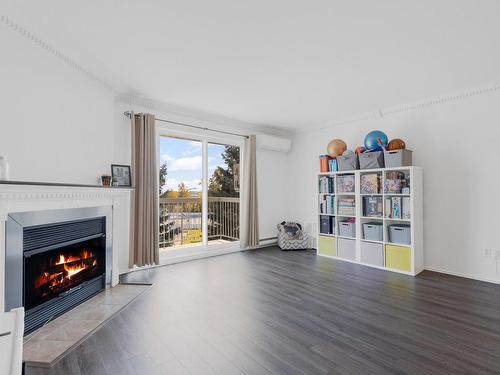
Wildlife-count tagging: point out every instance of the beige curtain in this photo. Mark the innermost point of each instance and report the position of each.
(144, 212)
(250, 222)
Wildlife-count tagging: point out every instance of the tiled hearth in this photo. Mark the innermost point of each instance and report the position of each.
(44, 347)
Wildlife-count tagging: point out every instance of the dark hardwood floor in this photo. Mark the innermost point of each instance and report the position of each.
(271, 312)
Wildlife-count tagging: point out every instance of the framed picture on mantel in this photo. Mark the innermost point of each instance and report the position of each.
(120, 175)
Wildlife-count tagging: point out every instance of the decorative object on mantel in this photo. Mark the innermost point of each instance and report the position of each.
(121, 175)
(4, 168)
(106, 180)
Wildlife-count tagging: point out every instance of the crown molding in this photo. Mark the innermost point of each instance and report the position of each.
(442, 99)
(20, 30)
(411, 106)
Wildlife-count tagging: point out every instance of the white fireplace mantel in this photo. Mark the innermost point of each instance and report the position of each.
(17, 197)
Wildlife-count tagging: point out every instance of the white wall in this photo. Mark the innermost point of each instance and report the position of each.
(457, 144)
(56, 124)
(271, 180)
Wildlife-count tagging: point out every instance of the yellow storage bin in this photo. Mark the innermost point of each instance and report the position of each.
(398, 257)
(327, 246)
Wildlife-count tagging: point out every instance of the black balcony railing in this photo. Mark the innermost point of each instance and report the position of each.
(181, 220)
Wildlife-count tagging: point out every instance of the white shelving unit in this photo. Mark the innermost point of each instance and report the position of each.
(402, 258)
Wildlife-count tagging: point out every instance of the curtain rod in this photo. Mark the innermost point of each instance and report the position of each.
(129, 115)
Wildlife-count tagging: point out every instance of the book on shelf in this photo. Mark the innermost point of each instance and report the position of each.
(323, 163)
(406, 208)
(325, 184)
(346, 206)
(396, 207)
(388, 207)
(370, 183)
(333, 165)
(325, 224)
(327, 204)
(372, 206)
(345, 183)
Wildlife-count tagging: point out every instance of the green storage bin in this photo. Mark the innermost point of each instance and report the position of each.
(398, 257)
(327, 246)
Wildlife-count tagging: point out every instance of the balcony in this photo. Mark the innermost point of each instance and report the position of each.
(181, 221)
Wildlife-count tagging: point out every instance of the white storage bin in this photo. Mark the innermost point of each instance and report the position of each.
(372, 253)
(346, 248)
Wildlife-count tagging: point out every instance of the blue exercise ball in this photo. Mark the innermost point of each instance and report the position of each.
(371, 142)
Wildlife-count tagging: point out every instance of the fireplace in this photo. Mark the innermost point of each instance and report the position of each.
(54, 266)
(53, 273)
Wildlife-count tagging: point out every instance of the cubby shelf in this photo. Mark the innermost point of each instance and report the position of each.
(403, 258)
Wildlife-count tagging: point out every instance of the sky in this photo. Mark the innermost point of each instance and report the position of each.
(184, 161)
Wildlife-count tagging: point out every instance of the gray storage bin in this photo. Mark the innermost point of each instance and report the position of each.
(373, 231)
(400, 233)
(347, 229)
(372, 253)
(346, 249)
(347, 162)
(371, 160)
(398, 158)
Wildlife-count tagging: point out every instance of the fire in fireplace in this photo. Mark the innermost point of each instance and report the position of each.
(53, 273)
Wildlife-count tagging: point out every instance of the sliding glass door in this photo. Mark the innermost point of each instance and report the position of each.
(199, 192)
(180, 192)
(223, 193)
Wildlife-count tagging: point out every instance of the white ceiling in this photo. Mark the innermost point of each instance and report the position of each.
(284, 63)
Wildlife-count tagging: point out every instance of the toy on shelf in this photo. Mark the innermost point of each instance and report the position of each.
(377, 152)
(376, 140)
(336, 147)
(396, 144)
(359, 150)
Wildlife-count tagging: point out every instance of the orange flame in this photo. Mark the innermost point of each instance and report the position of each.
(72, 265)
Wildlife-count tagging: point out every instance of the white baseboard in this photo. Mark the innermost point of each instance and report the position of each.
(187, 258)
(462, 275)
(266, 242)
(202, 254)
